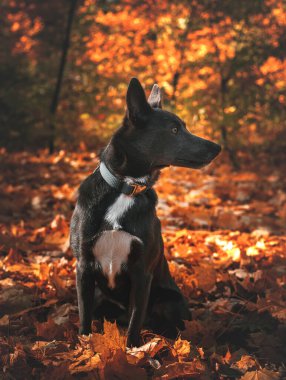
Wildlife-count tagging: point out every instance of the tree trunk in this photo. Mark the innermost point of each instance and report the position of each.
(182, 50)
(223, 128)
(55, 99)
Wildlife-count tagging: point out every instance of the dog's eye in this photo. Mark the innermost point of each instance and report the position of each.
(174, 130)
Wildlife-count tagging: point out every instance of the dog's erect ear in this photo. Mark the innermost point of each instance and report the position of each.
(155, 97)
(137, 105)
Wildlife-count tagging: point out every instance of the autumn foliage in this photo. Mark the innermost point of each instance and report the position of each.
(221, 63)
(222, 66)
(224, 243)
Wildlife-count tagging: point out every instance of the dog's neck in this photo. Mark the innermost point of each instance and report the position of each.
(126, 184)
(127, 168)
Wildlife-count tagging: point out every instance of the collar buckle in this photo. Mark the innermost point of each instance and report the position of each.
(137, 189)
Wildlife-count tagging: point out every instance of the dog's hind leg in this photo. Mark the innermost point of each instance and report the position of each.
(85, 285)
(167, 307)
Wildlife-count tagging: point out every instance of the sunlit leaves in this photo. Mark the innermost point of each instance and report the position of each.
(233, 278)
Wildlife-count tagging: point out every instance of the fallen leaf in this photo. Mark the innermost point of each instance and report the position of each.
(118, 368)
(109, 342)
(262, 374)
(186, 369)
(181, 349)
(147, 351)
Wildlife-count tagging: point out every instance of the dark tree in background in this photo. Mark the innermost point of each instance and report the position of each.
(55, 99)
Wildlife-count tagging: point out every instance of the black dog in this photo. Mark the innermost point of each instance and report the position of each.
(115, 233)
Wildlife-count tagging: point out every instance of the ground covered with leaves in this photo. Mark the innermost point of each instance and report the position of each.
(223, 232)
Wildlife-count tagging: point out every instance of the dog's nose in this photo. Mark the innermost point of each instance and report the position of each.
(217, 149)
(214, 150)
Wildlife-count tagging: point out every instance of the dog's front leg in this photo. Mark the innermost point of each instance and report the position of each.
(139, 297)
(85, 285)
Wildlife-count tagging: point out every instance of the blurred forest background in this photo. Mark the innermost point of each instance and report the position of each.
(222, 65)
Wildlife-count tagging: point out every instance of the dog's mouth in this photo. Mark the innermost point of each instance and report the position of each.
(181, 162)
(191, 163)
(161, 166)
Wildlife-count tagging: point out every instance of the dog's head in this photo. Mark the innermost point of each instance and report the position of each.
(158, 138)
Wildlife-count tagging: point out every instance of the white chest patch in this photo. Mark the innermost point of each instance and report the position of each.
(118, 209)
(111, 251)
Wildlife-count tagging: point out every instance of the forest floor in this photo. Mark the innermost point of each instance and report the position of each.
(226, 246)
